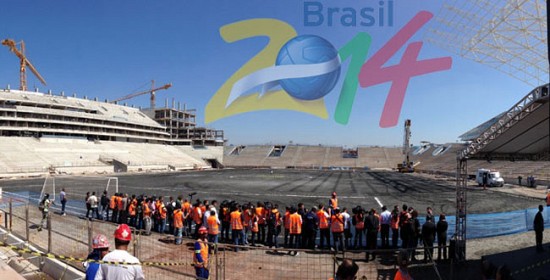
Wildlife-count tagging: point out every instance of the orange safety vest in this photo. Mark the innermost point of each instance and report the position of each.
(213, 228)
(287, 220)
(203, 209)
(402, 276)
(277, 216)
(119, 205)
(334, 202)
(246, 218)
(132, 209)
(146, 210)
(112, 203)
(186, 207)
(261, 213)
(323, 220)
(203, 252)
(236, 222)
(157, 204)
(337, 223)
(162, 211)
(225, 214)
(254, 224)
(178, 218)
(197, 217)
(295, 223)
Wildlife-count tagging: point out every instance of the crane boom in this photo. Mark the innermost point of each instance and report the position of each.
(152, 91)
(24, 62)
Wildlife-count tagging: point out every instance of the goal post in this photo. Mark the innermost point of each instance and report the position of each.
(76, 187)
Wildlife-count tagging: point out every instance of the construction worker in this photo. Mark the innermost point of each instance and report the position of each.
(332, 203)
(132, 212)
(261, 213)
(311, 225)
(254, 226)
(196, 214)
(547, 198)
(337, 229)
(324, 227)
(44, 207)
(147, 223)
(347, 270)
(119, 208)
(178, 225)
(358, 221)
(248, 212)
(200, 255)
(104, 206)
(372, 225)
(112, 207)
(273, 221)
(237, 226)
(162, 212)
(403, 263)
(295, 229)
(213, 228)
(128, 266)
(100, 246)
(186, 208)
(395, 226)
(286, 221)
(226, 221)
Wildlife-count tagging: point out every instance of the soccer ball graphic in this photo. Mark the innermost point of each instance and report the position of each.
(308, 49)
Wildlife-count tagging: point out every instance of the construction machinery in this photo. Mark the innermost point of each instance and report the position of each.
(151, 91)
(406, 166)
(20, 53)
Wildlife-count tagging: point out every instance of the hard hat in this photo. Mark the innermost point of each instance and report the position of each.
(334, 193)
(203, 230)
(100, 241)
(123, 233)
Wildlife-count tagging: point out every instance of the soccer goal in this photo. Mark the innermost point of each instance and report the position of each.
(76, 187)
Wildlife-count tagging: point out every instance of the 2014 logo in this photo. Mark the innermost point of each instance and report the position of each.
(295, 72)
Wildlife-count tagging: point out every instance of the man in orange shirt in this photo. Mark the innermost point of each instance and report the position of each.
(178, 225)
(332, 203)
(295, 229)
(337, 229)
(324, 226)
(161, 224)
(237, 226)
(213, 228)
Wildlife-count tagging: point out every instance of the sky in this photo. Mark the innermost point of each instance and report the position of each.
(108, 49)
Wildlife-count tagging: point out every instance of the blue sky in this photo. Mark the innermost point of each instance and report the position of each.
(108, 49)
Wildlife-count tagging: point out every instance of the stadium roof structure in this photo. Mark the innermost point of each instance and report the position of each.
(509, 35)
(521, 131)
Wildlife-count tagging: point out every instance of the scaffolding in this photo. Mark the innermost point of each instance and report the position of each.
(509, 36)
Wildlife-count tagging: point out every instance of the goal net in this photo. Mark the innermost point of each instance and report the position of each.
(76, 187)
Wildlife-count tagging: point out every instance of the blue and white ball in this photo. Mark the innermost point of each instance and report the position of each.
(308, 49)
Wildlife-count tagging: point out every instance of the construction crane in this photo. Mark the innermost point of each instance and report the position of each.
(151, 91)
(407, 165)
(20, 53)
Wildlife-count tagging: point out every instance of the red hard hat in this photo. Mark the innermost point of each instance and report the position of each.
(123, 233)
(100, 241)
(203, 230)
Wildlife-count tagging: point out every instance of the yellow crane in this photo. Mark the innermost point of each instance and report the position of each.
(152, 91)
(20, 53)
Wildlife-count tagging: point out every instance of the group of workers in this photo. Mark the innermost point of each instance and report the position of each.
(263, 223)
